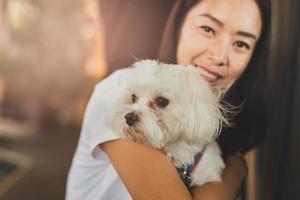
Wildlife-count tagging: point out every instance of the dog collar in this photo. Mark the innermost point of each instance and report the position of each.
(185, 171)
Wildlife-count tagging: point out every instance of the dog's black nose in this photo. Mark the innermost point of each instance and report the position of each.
(131, 118)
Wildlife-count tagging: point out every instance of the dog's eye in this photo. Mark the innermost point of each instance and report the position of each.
(161, 102)
(133, 98)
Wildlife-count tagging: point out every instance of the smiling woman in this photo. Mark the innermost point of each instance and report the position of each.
(227, 40)
(211, 38)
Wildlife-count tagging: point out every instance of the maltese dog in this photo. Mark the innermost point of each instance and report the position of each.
(171, 108)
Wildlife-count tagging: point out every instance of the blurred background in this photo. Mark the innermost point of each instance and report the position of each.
(52, 53)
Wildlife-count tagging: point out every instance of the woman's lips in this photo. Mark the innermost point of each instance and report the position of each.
(209, 76)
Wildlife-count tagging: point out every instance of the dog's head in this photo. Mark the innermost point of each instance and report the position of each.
(164, 103)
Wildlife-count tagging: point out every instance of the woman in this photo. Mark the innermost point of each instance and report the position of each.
(226, 38)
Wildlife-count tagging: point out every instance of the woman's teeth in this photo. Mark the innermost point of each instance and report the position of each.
(209, 76)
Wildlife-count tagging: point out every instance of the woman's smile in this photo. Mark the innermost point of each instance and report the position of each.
(210, 76)
(212, 39)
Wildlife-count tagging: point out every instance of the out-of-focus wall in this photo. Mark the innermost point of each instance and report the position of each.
(45, 73)
(133, 29)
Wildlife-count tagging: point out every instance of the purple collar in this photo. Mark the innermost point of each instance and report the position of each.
(185, 171)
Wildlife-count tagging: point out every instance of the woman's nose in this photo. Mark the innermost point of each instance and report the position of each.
(218, 52)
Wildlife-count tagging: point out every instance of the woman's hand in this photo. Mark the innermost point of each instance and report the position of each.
(232, 179)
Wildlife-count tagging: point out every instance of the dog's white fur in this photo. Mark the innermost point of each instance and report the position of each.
(190, 122)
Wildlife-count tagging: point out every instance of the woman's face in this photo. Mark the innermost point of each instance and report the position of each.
(219, 37)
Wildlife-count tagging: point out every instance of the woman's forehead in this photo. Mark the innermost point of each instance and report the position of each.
(238, 15)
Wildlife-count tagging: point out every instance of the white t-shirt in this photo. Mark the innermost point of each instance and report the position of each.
(92, 176)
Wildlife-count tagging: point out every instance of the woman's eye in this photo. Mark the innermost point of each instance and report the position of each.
(208, 30)
(161, 102)
(242, 45)
(133, 98)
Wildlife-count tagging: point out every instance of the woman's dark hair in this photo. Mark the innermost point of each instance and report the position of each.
(248, 90)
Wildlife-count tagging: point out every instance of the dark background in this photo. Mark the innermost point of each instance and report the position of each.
(279, 158)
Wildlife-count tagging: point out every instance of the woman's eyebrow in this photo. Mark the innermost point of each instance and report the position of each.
(246, 34)
(220, 23)
(217, 21)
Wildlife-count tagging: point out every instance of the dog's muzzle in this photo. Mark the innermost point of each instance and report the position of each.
(131, 118)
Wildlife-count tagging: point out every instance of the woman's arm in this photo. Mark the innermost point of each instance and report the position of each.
(148, 174)
(232, 179)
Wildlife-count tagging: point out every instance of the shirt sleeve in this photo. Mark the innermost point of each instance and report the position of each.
(95, 129)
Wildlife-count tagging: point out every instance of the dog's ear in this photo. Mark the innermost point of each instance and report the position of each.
(201, 122)
(203, 117)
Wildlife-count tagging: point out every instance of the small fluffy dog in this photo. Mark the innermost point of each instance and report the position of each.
(171, 107)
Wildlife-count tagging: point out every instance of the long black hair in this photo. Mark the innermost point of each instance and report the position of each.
(250, 124)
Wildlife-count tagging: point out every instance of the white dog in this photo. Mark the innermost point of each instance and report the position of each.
(170, 107)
